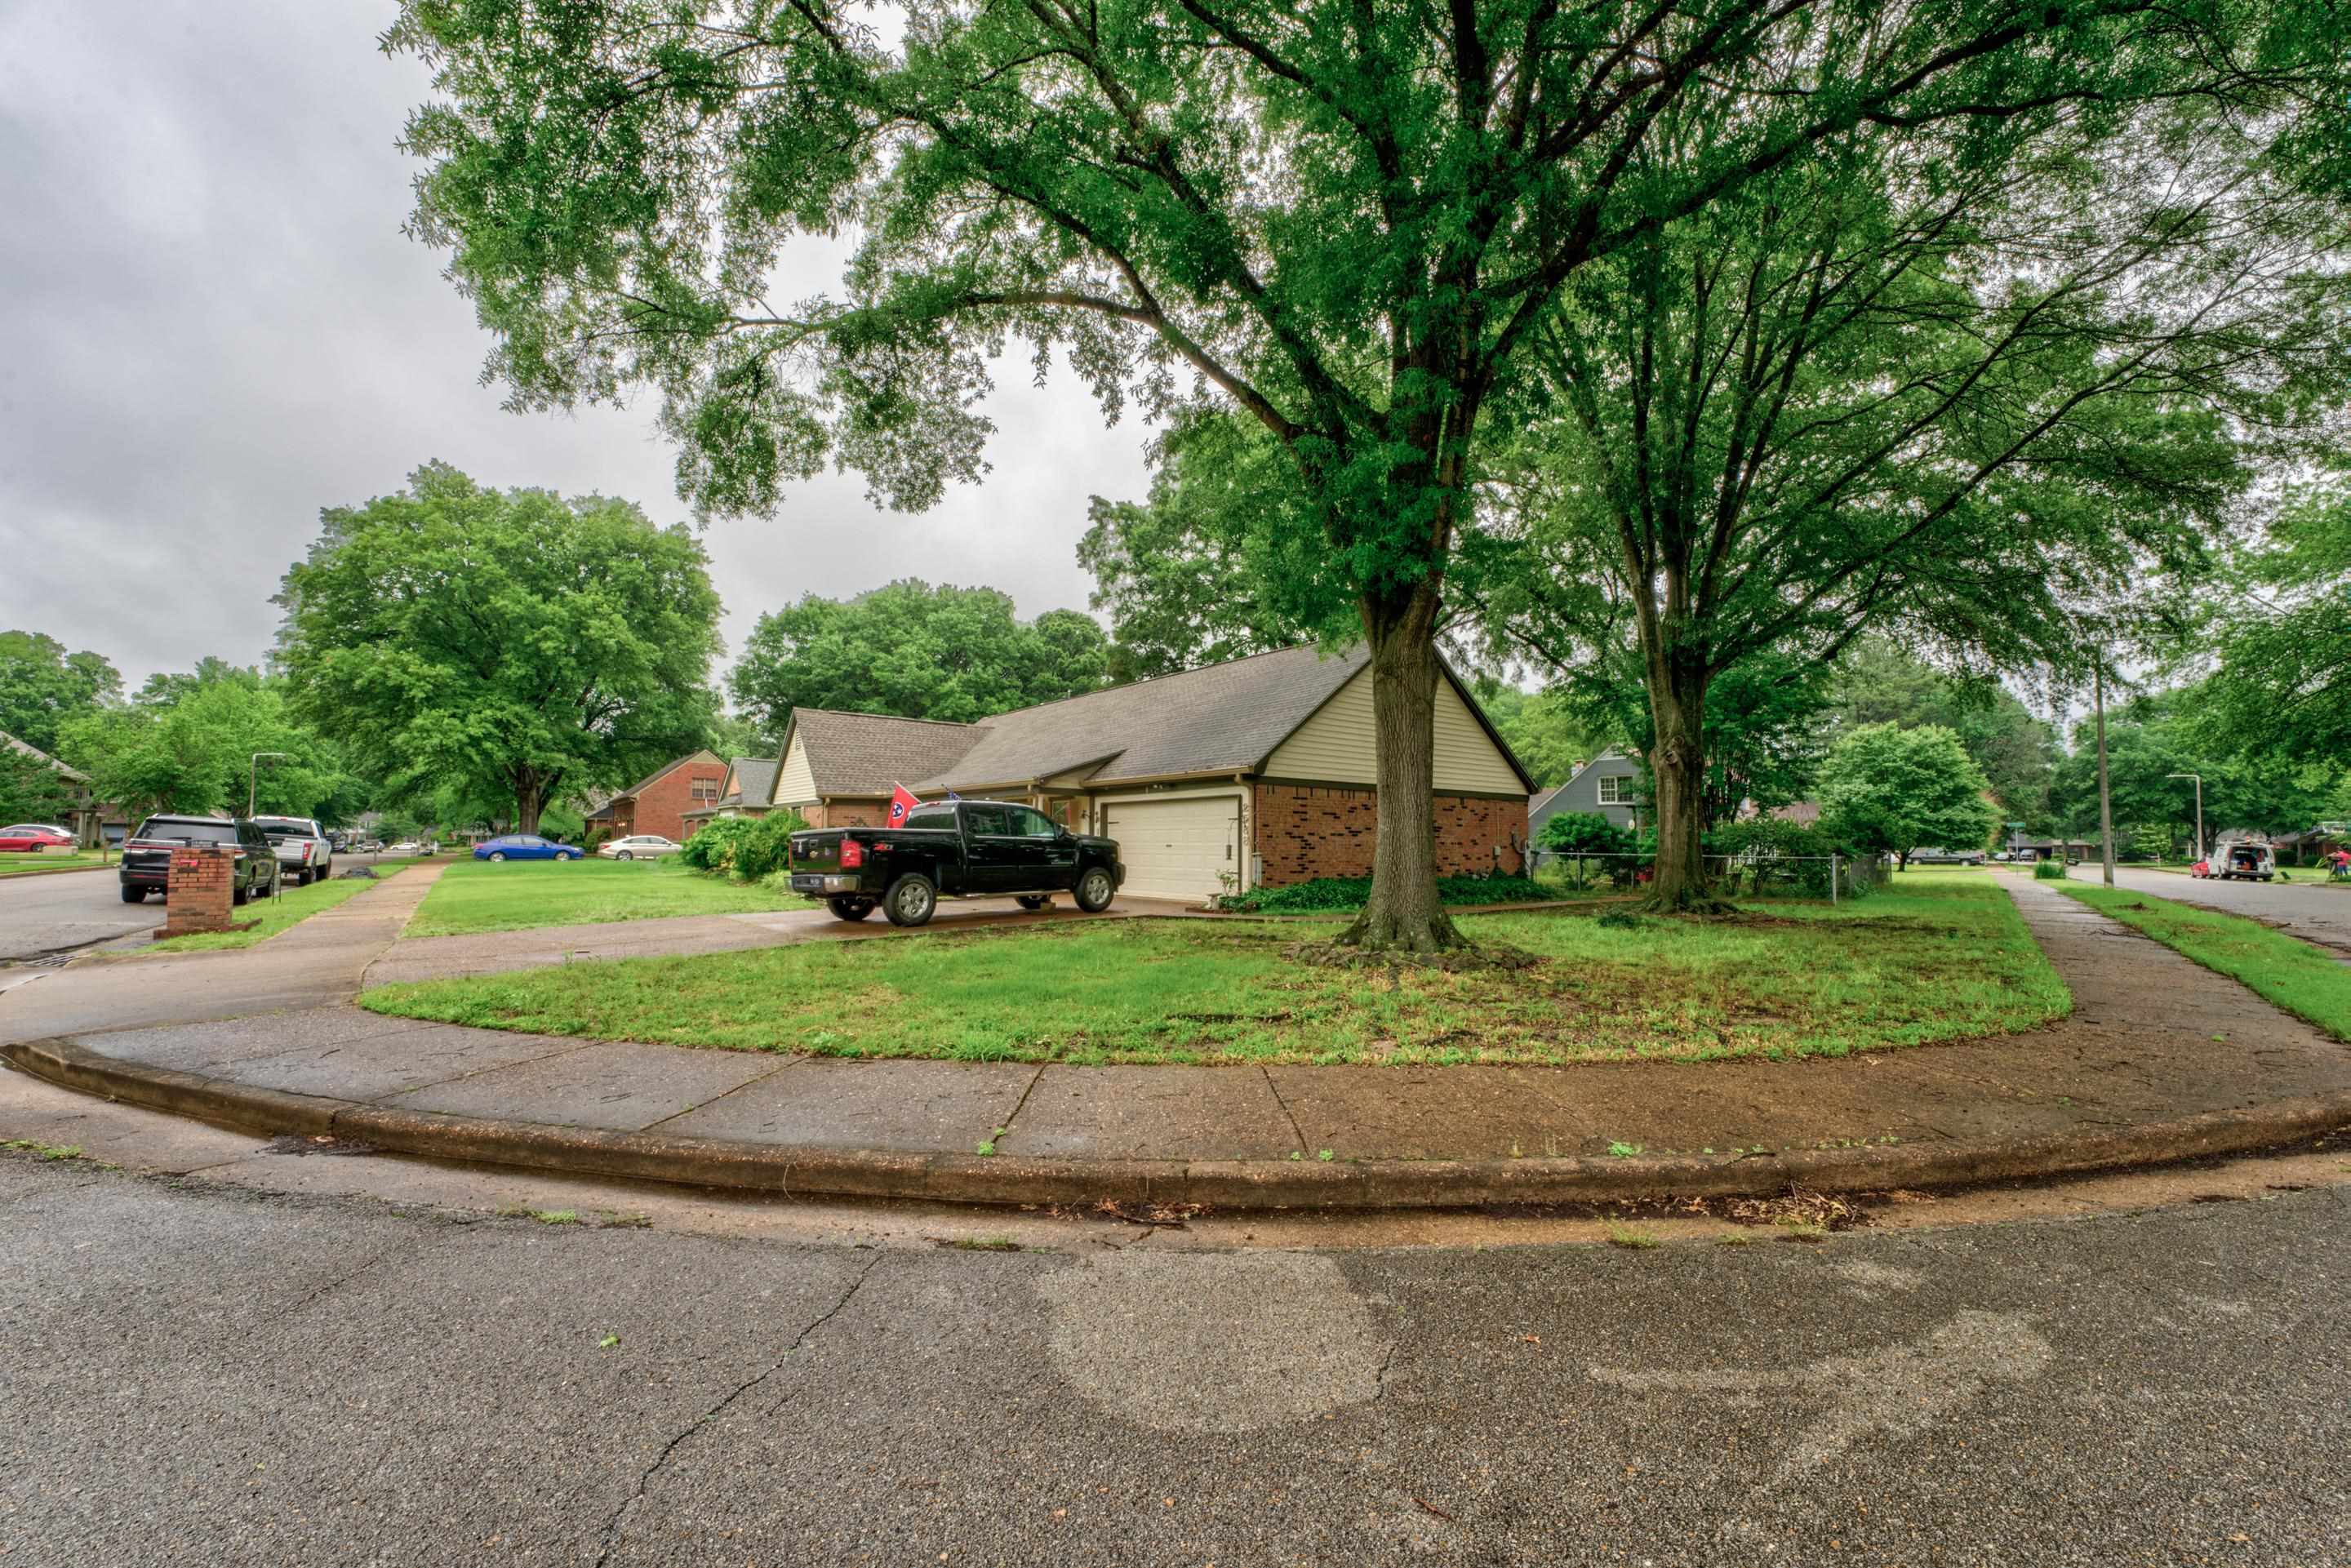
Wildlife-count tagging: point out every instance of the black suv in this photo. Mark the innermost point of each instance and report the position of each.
(147, 855)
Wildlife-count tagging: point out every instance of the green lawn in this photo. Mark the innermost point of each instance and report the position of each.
(19, 865)
(479, 896)
(1944, 957)
(274, 914)
(2307, 981)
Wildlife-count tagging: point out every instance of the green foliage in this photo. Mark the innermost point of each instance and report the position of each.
(2151, 740)
(42, 686)
(31, 791)
(1549, 732)
(1177, 573)
(1890, 791)
(509, 644)
(1334, 894)
(1584, 833)
(1765, 854)
(767, 848)
(187, 743)
(2049, 870)
(2283, 690)
(915, 651)
(1877, 682)
(713, 845)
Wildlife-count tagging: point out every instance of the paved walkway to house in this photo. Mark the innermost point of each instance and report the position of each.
(2161, 1060)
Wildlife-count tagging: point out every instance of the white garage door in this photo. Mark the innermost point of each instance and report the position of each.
(1176, 849)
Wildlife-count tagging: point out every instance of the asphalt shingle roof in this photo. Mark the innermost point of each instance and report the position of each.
(755, 778)
(1224, 719)
(73, 774)
(868, 753)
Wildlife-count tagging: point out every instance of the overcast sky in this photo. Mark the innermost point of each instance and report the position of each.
(211, 326)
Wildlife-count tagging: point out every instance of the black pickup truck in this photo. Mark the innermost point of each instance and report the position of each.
(957, 849)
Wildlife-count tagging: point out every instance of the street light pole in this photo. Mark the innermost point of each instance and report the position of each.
(253, 777)
(2200, 808)
(2106, 796)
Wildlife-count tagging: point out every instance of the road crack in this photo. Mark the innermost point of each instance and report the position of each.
(611, 1535)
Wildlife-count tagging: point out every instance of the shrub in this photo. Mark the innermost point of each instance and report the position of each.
(713, 847)
(1338, 894)
(767, 848)
(2049, 871)
(1764, 853)
(1584, 833)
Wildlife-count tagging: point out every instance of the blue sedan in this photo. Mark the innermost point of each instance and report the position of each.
(525, 847)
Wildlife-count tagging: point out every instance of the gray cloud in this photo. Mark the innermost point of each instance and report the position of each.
(211, 326)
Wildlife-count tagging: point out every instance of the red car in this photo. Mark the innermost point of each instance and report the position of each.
(33, 837)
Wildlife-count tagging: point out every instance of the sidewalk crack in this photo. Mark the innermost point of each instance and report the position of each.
(1288, 1115)
(644, 1479)
(1013, 1120)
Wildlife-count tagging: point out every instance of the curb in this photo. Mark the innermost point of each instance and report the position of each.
(801, 1170)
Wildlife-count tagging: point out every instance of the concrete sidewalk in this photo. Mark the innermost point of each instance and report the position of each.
(2161, 1060)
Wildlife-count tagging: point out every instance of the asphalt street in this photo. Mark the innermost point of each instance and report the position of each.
(189, 1374)
(50, 913)
(2306, 905)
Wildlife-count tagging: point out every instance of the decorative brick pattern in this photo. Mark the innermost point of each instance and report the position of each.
(1307, 831)
(197, 896)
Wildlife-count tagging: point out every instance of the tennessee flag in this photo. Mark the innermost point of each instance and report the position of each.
(901, 800)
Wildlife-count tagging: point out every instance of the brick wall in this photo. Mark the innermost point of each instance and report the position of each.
(661, 805)
(846, 813)
(1307, 831)
(197, 892)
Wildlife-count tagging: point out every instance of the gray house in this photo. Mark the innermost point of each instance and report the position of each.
(1610, 784)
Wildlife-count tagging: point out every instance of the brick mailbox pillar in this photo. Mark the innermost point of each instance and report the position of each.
(197, 898)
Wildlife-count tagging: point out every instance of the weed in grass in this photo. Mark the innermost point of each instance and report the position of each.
(544, 1216)
(986, 1146)
(628, 1221)
(608, 1341)
(981, 1243)
(1795, 1230)
(1325, 1157)
(1736, 1238)
(1624, 1151)
(1631, 1239)
(1617, 920)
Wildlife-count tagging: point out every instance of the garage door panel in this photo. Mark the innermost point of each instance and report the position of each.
(1176, 849)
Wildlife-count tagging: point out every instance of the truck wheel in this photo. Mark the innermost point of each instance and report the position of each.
(134, 895)
(1095, 890)
(850, 908)
(1033, 900)
(911, 900)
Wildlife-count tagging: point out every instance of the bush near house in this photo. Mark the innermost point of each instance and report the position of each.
(1765, 854)
(1585, 833)
(712, 848)
(745, 847)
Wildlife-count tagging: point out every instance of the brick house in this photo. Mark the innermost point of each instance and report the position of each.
(660, 803)
(1256, 772)
(744, 791)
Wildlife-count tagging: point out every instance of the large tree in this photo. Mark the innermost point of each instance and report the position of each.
(1878, 682)
(1997, 390)
(2282, 688)
(41, 686)
(917, 651)
(510, 640)
(212, 739)
(1348, 222)
(1893, 790)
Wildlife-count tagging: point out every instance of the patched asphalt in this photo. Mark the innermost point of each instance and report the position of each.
(194, 1374)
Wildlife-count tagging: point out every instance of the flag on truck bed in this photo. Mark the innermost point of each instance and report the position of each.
(901, 800)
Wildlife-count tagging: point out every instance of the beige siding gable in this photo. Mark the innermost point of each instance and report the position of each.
(1336, 746)
(795, 780)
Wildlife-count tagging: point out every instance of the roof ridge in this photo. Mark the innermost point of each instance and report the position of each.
(897, 717)
(1172, 674)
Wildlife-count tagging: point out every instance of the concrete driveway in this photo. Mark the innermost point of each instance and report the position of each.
(2311, 910)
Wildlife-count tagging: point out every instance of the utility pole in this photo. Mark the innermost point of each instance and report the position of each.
(2106, 796)
(2200, 808)
(253, 777)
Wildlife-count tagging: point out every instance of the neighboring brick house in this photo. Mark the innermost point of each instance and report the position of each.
(659, 802)
(1256, 772)
(743, 792)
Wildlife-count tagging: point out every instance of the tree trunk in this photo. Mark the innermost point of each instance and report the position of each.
(1677, 770)
(526, 800)
(1404, 914)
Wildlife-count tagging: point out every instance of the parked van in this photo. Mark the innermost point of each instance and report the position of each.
(2246, 861)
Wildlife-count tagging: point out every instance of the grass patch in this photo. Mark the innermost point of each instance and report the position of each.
(22, 865)
(2307, 981)
(1632, 1238)
(272, 915)
(1944, 957)
(479, 896)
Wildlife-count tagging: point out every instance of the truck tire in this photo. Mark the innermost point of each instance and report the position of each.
(1095, 890)
(911, 901)
(850, 908)
(237, 896)
(134, 895)
(1034, 901)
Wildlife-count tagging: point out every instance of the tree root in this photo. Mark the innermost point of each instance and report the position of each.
(1463, 960)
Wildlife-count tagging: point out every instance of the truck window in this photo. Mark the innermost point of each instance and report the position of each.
(988, 821)
(1032, 824)
(941, 817)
